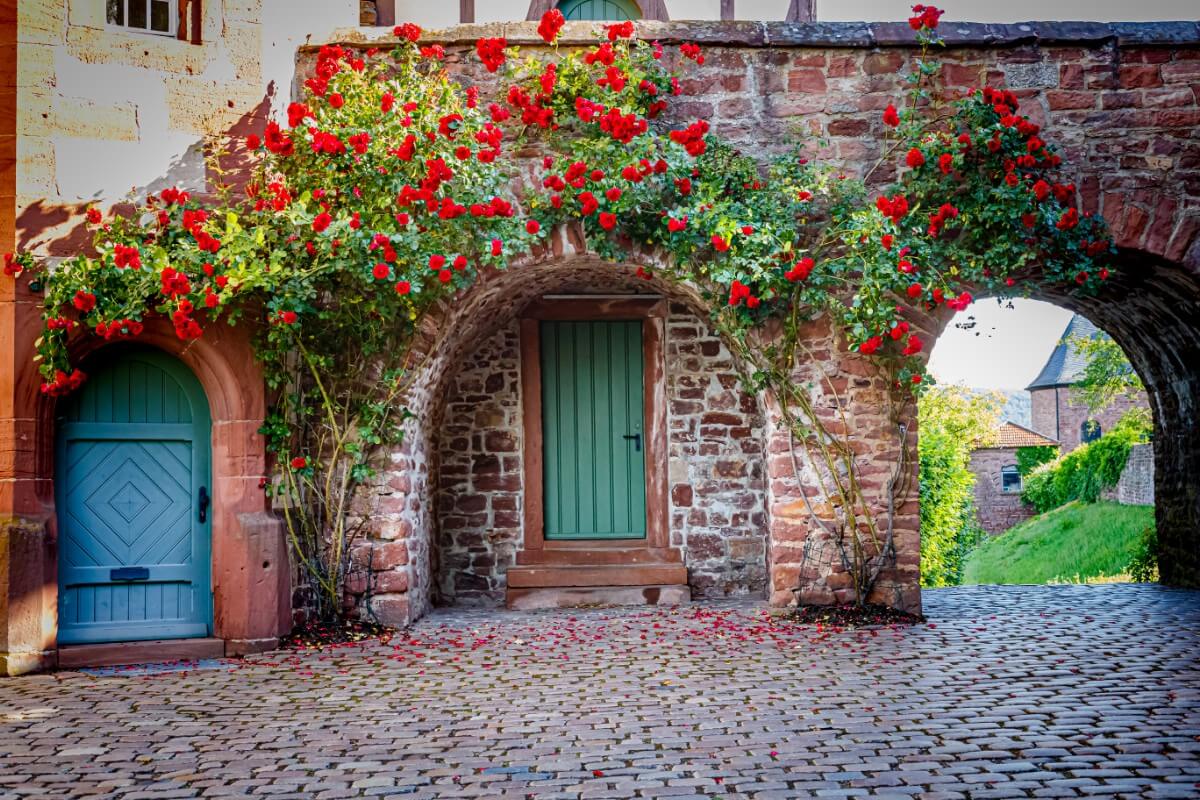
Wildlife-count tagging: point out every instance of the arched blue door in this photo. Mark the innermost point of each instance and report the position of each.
(618, 10)
(132, 486)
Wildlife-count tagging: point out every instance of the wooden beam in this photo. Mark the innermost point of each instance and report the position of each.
(802, 11)
(537, 8)
(727, 10)
(385, 13)
(466, 10)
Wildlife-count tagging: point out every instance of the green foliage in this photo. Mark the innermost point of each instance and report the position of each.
(1108, 374)
(953, 420)
(1029, 458)
(1077, 543)
(1087, 471)
(1144, 566)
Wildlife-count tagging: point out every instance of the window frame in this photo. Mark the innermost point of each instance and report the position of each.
(1090, 430)
(1007, 472)
(173, 28)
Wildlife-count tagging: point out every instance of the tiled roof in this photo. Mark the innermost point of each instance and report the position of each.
(1010, 434)
(1065, 365)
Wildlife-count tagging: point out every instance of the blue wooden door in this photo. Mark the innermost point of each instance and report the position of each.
(131, 486)
(593, 454)
(599, 10)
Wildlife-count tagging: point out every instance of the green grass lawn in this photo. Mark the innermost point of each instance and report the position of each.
(1076, 543)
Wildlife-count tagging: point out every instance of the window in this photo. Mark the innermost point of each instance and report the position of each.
(1090, 431)
(145, 16)
(599, 9)
(1010, 479)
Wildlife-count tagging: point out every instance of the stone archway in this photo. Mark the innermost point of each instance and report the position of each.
(1151, 308)
(452, 504)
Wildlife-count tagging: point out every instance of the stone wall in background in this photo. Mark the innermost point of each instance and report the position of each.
(1136, 487)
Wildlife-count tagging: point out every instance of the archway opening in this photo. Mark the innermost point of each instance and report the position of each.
(1037, 452)
(713, 501)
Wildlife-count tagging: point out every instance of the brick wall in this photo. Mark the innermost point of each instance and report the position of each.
(715, 464)
(1060, 413)
(996, 509)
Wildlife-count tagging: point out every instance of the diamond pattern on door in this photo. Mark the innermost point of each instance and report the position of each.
(132, 458)
(124, 509)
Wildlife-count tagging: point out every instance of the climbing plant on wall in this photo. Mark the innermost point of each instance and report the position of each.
(392, 185)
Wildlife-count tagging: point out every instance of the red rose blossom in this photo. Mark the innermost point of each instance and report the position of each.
(551, 24)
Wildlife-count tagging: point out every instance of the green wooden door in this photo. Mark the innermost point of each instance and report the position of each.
(131, 490)
(592, 430)
(618, 10)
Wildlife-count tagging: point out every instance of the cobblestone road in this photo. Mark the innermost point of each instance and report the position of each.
(1007, 692)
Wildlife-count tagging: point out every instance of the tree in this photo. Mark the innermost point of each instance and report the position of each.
(953, 421)
(1108, 375)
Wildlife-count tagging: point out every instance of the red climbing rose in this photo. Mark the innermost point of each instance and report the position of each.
(551, 24)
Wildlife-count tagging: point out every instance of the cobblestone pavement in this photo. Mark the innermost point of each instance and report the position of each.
(1007, 692)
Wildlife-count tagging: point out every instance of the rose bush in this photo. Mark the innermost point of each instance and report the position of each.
(392, 185)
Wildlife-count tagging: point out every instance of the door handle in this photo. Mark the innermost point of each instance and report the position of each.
(203, 500)
(637, 440)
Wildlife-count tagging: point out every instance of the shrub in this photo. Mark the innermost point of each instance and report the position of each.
(1086, 472)
(1030, 458)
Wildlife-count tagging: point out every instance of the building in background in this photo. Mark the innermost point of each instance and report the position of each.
(998, 484)
(1058, 412)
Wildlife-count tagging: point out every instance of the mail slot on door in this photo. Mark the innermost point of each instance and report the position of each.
(130, 574)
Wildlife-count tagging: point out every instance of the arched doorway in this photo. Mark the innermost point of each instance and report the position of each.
(133, 486)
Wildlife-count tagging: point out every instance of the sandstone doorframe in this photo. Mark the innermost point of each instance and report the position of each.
(251, 572)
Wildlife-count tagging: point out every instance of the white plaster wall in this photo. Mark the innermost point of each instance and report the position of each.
(769, 10)
(441, 14)
(491, 10)
(103, 110)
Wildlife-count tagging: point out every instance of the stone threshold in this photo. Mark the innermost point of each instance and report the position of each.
(112, 654)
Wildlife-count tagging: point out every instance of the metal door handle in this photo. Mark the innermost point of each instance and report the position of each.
(637, 440)
(203, 500)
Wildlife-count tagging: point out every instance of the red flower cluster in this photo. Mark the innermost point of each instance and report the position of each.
(127, 257)
(800, 270)
(871, 345)
(186, 328)
(118, 329)
(63, 383)
(623, 127)
(622, 30)
(491, 52)
(938, 219)
(407, 31)
(692, 50)
(84, 301)
(894, 207)
(925, 17)
(890, 117)
(961, 302)
(692, 138)
(915, 158)
(739, 292)
(174, 283)
(913, 347)
(551, 24)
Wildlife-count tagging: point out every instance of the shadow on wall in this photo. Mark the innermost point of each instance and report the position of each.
(60, 230)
